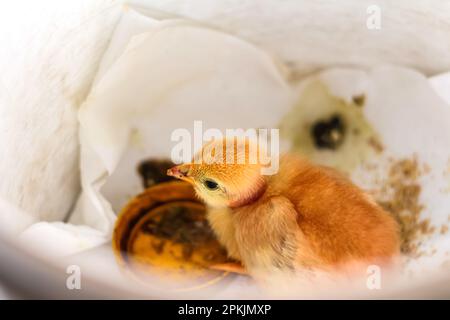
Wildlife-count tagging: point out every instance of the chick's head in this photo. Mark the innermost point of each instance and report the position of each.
(224, 174)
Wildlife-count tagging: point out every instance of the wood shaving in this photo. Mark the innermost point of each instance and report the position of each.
(403, 203)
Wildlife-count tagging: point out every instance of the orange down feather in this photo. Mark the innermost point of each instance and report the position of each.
(304, 216)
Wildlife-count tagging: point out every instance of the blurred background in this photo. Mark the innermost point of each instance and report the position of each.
(54, 52)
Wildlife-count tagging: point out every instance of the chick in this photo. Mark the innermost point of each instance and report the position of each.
(304, 216)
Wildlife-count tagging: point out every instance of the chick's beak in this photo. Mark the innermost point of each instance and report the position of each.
(179, 172)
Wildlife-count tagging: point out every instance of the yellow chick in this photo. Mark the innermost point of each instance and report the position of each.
(304, 216)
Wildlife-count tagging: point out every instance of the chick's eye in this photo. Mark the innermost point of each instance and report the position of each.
(211, 185)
